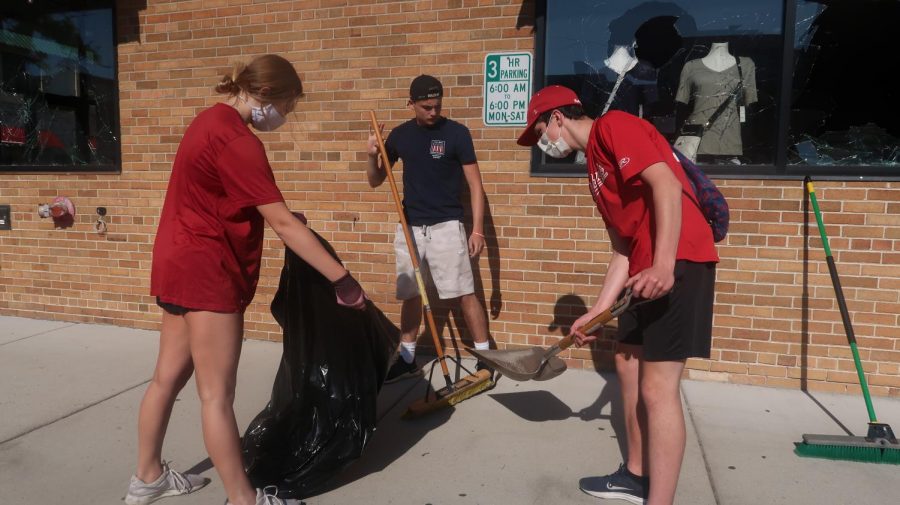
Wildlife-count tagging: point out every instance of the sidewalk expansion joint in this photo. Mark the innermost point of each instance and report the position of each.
(38, 334)
(709, 473)
(76, 411)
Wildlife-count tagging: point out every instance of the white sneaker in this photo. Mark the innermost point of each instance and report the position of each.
(266, 496)
(170, 483)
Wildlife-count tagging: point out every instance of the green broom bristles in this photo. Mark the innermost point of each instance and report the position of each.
(889, 455)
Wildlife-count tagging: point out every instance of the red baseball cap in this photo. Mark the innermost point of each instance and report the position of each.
(547, 99)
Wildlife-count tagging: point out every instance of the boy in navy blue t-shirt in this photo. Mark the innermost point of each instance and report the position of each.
(437, 153)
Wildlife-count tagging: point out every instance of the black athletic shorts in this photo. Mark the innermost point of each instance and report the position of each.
(679, 325)
(171, 308)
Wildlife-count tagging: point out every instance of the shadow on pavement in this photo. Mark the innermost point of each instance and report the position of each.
(542, 406)
(393, 437)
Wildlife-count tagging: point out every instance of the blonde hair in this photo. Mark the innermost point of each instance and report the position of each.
(268, 77)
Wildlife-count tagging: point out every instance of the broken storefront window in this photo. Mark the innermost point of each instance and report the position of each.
(58, 104)
(678, 65)
(845, 103)
(675, 64)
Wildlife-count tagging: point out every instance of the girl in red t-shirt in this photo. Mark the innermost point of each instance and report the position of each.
(206, 262)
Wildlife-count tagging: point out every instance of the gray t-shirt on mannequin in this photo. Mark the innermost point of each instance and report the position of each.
(707, 89)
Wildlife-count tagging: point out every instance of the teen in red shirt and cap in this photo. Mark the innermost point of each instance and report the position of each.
(663, 249)
(206, 262)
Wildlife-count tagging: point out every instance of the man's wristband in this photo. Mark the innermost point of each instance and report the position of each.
(479, 234)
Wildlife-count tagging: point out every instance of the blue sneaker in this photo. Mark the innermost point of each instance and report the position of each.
(619, 485)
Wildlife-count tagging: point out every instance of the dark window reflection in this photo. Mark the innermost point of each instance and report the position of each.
(846, 100)
(58, 86)
(674, 63)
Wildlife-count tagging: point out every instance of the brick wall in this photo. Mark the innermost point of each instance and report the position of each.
(776, 319)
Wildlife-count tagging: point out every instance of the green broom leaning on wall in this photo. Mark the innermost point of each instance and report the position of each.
(879, 445)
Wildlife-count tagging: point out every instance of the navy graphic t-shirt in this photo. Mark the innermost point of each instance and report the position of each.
(432, 168)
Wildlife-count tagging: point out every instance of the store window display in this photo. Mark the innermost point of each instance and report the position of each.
(640, 58)
(718, 88)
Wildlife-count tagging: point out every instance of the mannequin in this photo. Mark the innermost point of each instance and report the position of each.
(599, 81)
(621, 60)
(636, 85)
(705, 84)
(628, 88)
(719, 59)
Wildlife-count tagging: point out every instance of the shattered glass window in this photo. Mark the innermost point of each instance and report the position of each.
(58, 89)
(704, 63)
(718, 77)
(845, 100)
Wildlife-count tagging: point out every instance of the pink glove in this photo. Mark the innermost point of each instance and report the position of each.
(349, 293)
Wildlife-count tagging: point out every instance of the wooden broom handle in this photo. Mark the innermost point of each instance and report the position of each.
(432, 327)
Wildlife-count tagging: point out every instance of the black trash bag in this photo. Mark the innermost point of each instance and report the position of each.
(322, 410)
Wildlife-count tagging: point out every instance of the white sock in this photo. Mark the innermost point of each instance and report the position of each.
(482, 346)
(408, 351)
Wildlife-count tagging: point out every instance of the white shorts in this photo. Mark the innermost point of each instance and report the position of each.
(443, 252)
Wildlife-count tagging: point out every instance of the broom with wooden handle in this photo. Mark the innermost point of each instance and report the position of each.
(879, 445)
(468, 386)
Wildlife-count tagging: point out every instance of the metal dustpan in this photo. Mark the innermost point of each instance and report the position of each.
(543, 364)
(517, 364)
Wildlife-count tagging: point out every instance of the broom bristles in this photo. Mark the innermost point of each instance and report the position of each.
(466, 388)
(888, 455)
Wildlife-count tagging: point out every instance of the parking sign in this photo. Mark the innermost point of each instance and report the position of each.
(507, 88)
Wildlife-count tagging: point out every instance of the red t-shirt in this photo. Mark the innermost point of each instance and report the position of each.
(208, 246)
(620, 147)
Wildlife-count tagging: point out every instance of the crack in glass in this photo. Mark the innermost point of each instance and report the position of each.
(57, 88)
(844, 104)
(674, 64)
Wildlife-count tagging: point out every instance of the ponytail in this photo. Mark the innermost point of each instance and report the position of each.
(269, 72)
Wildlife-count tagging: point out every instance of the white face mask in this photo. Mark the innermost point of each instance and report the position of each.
(554, 148)
(265, 118)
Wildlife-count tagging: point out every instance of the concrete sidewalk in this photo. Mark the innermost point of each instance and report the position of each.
(69, 395)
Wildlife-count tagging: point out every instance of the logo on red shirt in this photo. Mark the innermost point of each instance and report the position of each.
(624, 161)
(438, 147)
(596, 178)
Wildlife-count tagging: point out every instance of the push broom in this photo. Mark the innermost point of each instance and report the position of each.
(453, 392)
(879, 445)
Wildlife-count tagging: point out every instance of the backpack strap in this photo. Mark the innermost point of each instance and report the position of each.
(692, 195)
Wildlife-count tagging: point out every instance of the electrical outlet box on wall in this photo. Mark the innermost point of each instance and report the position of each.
(5, 217)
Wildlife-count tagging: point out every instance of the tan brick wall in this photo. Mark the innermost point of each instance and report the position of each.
(776, 320)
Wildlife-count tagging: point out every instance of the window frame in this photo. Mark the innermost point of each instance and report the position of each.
(114, 167)
(779, 170)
